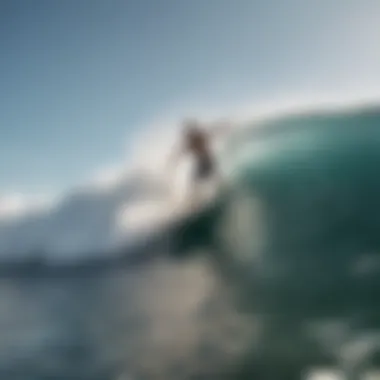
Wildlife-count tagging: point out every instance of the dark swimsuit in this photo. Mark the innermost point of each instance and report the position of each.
(204, 168)
(204, 164)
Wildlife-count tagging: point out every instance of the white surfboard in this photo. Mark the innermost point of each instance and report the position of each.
(151, 215)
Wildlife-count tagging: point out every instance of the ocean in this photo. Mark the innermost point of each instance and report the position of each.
(278, 277)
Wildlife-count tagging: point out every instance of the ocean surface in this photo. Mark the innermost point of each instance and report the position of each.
(278, 277)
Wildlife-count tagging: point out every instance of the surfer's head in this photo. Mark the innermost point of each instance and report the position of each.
(191, 127)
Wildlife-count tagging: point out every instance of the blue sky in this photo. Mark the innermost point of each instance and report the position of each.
(78, 78)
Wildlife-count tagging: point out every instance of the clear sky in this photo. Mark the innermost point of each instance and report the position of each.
(79, 77)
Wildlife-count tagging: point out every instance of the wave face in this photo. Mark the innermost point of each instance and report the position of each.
(303, 201)
(306, 205)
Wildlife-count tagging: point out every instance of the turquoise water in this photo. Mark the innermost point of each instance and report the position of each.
(280, 275)
(303, 249)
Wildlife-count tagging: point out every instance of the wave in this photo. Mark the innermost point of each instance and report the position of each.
(296, 168)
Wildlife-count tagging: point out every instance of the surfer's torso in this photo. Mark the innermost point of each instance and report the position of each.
(198, 145)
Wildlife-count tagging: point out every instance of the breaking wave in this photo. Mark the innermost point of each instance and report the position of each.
(304, 157)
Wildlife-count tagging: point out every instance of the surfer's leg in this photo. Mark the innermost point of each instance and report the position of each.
(217, 178)
(199, 175)
(193, 193)
(206, 174)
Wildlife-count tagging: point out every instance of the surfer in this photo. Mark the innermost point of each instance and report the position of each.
(196, 142)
